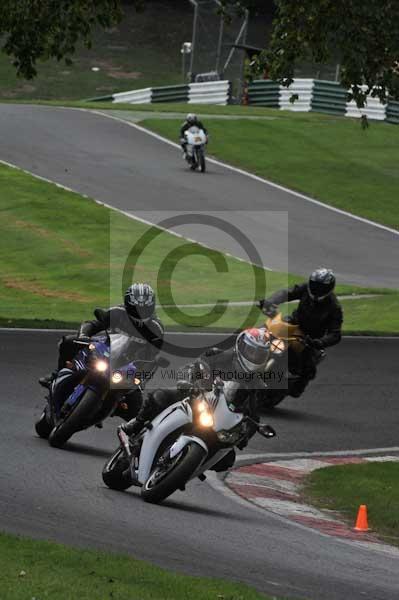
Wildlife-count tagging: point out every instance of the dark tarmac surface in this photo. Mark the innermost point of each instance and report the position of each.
(59, 494)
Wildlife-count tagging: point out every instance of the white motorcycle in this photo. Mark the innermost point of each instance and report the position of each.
(181, 443)
(196, 140)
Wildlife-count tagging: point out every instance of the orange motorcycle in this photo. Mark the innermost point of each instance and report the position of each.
(284, 337)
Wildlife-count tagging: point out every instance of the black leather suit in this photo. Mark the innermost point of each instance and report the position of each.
(321, 321)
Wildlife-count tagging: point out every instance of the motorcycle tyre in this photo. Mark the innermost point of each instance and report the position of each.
(177, 477)
(43, 427)
(73, 422)
(112, 473)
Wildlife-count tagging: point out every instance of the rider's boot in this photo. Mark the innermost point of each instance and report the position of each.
(48, 379)
(132, 427)
(131, 449)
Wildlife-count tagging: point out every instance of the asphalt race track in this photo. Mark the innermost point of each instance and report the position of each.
(122, 166)
(59, 494)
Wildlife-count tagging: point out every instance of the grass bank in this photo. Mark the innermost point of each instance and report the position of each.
(68, 254)
(344, 488)
(142, 51)
(33, 569)
(331, 159)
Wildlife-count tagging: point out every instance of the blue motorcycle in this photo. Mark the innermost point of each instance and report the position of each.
(91, 390)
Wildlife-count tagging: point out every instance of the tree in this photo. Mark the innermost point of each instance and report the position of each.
(42, 29)
(363, 33)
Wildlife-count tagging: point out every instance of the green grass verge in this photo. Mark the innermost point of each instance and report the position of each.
(331, 159)
(34, 569)
(345, 487)
(67, 255)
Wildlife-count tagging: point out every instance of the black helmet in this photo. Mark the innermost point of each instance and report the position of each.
(321, 284)
(191, 118)
(140, 302)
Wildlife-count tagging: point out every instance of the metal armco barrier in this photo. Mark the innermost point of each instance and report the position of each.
(173, 93)
(264, 93)
(303, 88)
(134, 97)
(319, 96)
(209, 92)
(392, 114)
(328, 97)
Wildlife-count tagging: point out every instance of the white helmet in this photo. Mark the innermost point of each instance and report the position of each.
(191, 118)
(252, 349)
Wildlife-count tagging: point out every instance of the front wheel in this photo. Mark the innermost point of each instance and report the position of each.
(201, 160)
(77, 420)
(166, 479)
(113, 471)
(43, 426)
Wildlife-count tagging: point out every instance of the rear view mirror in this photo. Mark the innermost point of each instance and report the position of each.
(266, 431)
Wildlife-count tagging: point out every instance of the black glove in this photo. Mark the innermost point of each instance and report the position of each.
(268, 308)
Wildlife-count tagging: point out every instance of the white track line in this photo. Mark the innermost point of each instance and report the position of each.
(252, 176)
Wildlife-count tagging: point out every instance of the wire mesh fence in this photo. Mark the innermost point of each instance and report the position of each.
(214, 37)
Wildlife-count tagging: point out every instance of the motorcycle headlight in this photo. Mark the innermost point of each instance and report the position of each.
(205, 417)
(278, 346)
(101, 365)
(116, 377)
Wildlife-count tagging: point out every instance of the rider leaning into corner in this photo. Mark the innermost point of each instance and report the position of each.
(319, 316)
(135, 318)
(243, 365)
(191, 121)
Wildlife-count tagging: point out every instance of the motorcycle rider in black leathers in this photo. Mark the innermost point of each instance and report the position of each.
(135, 318)
(319, 316)
(244, 364)
(191, 121)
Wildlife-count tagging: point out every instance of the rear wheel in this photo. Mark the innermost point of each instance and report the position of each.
(113, 471)
(167, 478)
(75, 421)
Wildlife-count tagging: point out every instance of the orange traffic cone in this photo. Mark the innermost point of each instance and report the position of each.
(361, 521)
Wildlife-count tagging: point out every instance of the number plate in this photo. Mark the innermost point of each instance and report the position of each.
(198, 138)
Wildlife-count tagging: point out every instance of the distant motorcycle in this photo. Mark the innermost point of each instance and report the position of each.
(181, 443)
(89, 397)
(196, 140)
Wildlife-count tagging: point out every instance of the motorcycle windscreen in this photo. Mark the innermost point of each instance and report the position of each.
(119, 349)
(223, 417)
